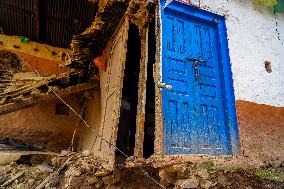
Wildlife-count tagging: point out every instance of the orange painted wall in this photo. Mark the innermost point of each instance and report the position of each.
(261, 129)
(42, 65)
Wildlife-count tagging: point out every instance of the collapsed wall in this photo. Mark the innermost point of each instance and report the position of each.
(41, 125)
(103, 111)
(45, 124)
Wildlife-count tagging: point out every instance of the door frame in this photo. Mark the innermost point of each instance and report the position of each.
(225, 67)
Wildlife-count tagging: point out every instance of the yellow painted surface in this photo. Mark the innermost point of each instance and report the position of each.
(33, 48)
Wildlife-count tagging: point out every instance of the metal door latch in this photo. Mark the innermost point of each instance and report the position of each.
(196, 60)
(164, 85)
(195, 65)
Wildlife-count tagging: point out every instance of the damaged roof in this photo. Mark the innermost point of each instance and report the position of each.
(94, 41)
(21, 88)
(51, 21)
(35, 98)
(87, 24)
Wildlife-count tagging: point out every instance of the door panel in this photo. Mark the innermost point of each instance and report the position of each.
(194, 110)
(111, 83)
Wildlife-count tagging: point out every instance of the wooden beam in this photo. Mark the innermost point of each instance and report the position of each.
(46, 97)
(141, 113)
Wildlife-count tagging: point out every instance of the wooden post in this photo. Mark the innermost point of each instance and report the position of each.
(140, 118)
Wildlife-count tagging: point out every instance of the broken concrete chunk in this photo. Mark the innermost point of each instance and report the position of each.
(192, 182)
(203, 173)
(3, 179)
(167, 177)
(73, 172)
(64, 153)
(92, 180)
(20, 186)
(102, 173)
(53, 182)
(222, 180)
(74, 182)
(86, 153)
(99, 184)
(44, 167)
(206, 184)
(31, 181)
(13, 164)
(108, 180)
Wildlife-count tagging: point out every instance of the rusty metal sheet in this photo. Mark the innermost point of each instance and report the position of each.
(52, 22)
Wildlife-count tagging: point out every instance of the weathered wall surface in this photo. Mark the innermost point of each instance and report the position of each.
(253, 40)
(93, 116)
(39, 125)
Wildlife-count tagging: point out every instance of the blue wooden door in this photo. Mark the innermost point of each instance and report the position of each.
(195, 114)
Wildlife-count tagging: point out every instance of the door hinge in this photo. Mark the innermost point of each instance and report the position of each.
(164, 85)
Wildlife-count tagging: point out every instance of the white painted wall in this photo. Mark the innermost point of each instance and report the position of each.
(252, 40)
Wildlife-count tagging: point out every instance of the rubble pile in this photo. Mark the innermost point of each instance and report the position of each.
(69, 170)
(66, 170)
(206, 176)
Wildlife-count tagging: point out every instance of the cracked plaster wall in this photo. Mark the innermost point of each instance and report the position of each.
(39, 125)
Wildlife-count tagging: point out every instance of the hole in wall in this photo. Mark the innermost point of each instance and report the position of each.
(61, 109)
(127, 121)
(149, 126)
(268, 67)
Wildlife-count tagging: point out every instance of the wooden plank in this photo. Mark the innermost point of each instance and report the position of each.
(140, 118)
(25, 103)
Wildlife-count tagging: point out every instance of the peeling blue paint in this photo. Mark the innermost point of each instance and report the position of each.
(199, 111)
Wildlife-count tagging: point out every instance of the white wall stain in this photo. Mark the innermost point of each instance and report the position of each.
(253, 40)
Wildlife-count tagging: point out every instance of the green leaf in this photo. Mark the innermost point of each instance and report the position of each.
(267, 3)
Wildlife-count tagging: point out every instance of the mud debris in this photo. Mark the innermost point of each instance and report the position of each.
(74, 170)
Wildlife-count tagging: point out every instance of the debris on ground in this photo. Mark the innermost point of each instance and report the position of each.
(14, 144)
(69, 170)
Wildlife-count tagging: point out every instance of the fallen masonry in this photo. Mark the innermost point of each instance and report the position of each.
(69, 170)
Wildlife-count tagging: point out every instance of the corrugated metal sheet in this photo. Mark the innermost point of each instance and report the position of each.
(58, 20)
(17, 17)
